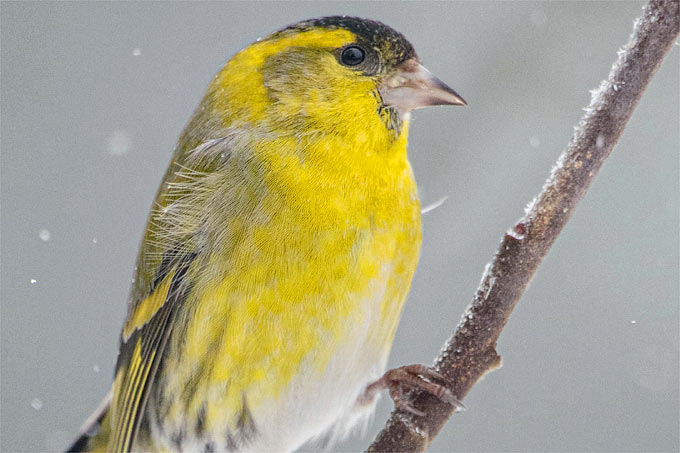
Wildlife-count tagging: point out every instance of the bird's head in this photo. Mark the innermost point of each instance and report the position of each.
(327, 75)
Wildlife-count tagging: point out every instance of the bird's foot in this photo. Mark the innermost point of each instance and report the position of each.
(400, 380)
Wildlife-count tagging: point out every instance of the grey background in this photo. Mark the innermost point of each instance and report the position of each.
(88, 125)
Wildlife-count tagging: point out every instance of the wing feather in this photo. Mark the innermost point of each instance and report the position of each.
(147, 344)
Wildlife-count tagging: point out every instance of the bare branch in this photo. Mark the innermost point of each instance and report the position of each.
(471, 352)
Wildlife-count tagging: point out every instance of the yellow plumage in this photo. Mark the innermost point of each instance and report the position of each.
(278, 254)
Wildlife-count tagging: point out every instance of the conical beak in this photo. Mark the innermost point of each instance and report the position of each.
(412, 87)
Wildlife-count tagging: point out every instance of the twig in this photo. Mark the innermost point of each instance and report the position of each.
(471, 352)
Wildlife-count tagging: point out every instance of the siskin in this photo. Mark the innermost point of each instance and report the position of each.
(279, 251)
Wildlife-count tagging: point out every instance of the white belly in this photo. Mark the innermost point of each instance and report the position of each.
(324, 405)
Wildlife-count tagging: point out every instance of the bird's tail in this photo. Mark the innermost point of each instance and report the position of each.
(94, 435)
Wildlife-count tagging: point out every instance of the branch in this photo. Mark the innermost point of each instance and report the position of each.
(471, 352)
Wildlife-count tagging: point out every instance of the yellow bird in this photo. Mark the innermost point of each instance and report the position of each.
(279, 251)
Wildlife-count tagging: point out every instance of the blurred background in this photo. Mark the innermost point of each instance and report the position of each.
(94, 96)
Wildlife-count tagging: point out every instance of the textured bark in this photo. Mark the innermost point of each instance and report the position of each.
(471, 351)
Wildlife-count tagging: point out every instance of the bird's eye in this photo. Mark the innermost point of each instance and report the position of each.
(352, 56)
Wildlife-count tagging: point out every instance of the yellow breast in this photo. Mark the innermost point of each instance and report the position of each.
(307, 244)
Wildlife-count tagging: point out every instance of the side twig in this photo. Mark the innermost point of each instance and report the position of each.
(471, 352)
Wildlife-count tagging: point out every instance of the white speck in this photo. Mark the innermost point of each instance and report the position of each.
(654, 19)
(535, 142)
(599, 141)
(433, 206)
(118, 143)
(96, 368)
(565, 210)
(44, 235)
(36, 404)
(596, 93)
(529, 206)
(615, 86)
(487, 277)
(33, 281)
(633, 322)
(557, 167)
(136, 52)
(487, 291)
(94, 240)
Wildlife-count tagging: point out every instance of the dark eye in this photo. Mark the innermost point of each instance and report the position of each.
(352, 56)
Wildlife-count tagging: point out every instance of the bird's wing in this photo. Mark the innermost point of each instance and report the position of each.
(141, 353)
(162, 285)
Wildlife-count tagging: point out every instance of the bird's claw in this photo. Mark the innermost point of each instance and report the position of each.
(400, 380)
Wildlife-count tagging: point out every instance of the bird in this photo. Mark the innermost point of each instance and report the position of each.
(279, 252)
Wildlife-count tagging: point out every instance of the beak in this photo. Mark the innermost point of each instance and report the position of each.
(412, 87)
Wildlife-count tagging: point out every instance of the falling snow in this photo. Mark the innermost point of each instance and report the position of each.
(36, 404)
(44, 235)
(118, 143)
